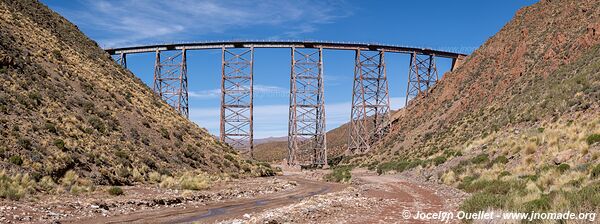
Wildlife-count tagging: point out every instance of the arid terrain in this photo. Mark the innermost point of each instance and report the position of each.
(515, 128)
(297, 197)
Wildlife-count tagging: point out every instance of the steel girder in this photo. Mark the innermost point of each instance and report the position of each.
(422, 75)
(121, 59)
(306, 129)
(237, 98)
(370, 114)
(170, 79)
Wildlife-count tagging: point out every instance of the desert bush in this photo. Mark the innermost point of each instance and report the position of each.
(154, 177)
(264, 170)
(585, 198)
(339, 174)
(187, 181)
(115, 191)
(97, 124)
(398, 166)
(563, 167)
(71, 182)
(230, 157)
(595, 172)
(500, 159)
(16, 159)
(46, 184)
(50, 127)
(24, 143)
(503, 174)
(439, 160)
(165, 133)
(593, 138)
(60, 144)
(483, 201)
(493, 186)
(544, 203)
(481, 158)
(15, 187)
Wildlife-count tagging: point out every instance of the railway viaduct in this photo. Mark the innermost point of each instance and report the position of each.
(307, 144)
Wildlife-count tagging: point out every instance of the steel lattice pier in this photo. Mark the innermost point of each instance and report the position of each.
(422, 75)
(307, 144)
(306, 129)
(170, 78)
(370, 115)
(237, 98)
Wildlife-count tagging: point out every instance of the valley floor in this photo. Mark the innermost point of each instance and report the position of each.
(297, 197)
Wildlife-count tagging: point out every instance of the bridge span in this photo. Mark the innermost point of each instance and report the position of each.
(307, 144)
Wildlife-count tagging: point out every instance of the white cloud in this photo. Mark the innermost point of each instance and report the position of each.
(130, 22)
(272, 120)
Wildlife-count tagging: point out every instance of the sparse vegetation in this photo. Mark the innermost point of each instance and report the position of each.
(593, 138)
(563, 167)
(115, 191)
(187, 181)
(60, 144)
(397, 166)
(481, 158)
(439, 160)
(339, 174)
(15, 187)
(595, 174)
(16, 159)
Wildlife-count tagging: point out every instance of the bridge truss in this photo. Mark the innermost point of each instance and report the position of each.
(422, 75)
(370, 111)
(306, 129)
(237, 98)
(170, 79)
(369, 119)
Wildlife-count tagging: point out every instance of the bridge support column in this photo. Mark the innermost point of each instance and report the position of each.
(237, 98)
(370, 115)
(306, 129)
(170, 79)
(422, 75)
(121, 59)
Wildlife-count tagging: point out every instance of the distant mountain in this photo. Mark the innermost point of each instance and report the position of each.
(276, 149)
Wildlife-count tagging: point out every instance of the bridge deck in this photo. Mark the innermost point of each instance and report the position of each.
(282, 44)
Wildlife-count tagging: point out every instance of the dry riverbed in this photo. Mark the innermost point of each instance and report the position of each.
(84, 207)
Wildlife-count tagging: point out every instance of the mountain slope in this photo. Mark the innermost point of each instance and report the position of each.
(65, 105)
(511, 79)
(517, 124)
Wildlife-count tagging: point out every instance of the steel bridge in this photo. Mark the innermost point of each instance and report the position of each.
(307, 144)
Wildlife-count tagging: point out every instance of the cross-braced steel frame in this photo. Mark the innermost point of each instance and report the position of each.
(236, 98)
(306, 129)
(170, 79)
(370, 115)
(121, 59)
(422, 74)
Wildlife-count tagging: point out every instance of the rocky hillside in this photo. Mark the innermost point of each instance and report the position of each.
(521, 114)
(65, 105)
(539, 67)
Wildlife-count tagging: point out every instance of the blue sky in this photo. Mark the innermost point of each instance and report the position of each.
(459, 26)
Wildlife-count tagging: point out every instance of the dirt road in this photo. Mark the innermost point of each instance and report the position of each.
(222, 210)
(368, 199)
